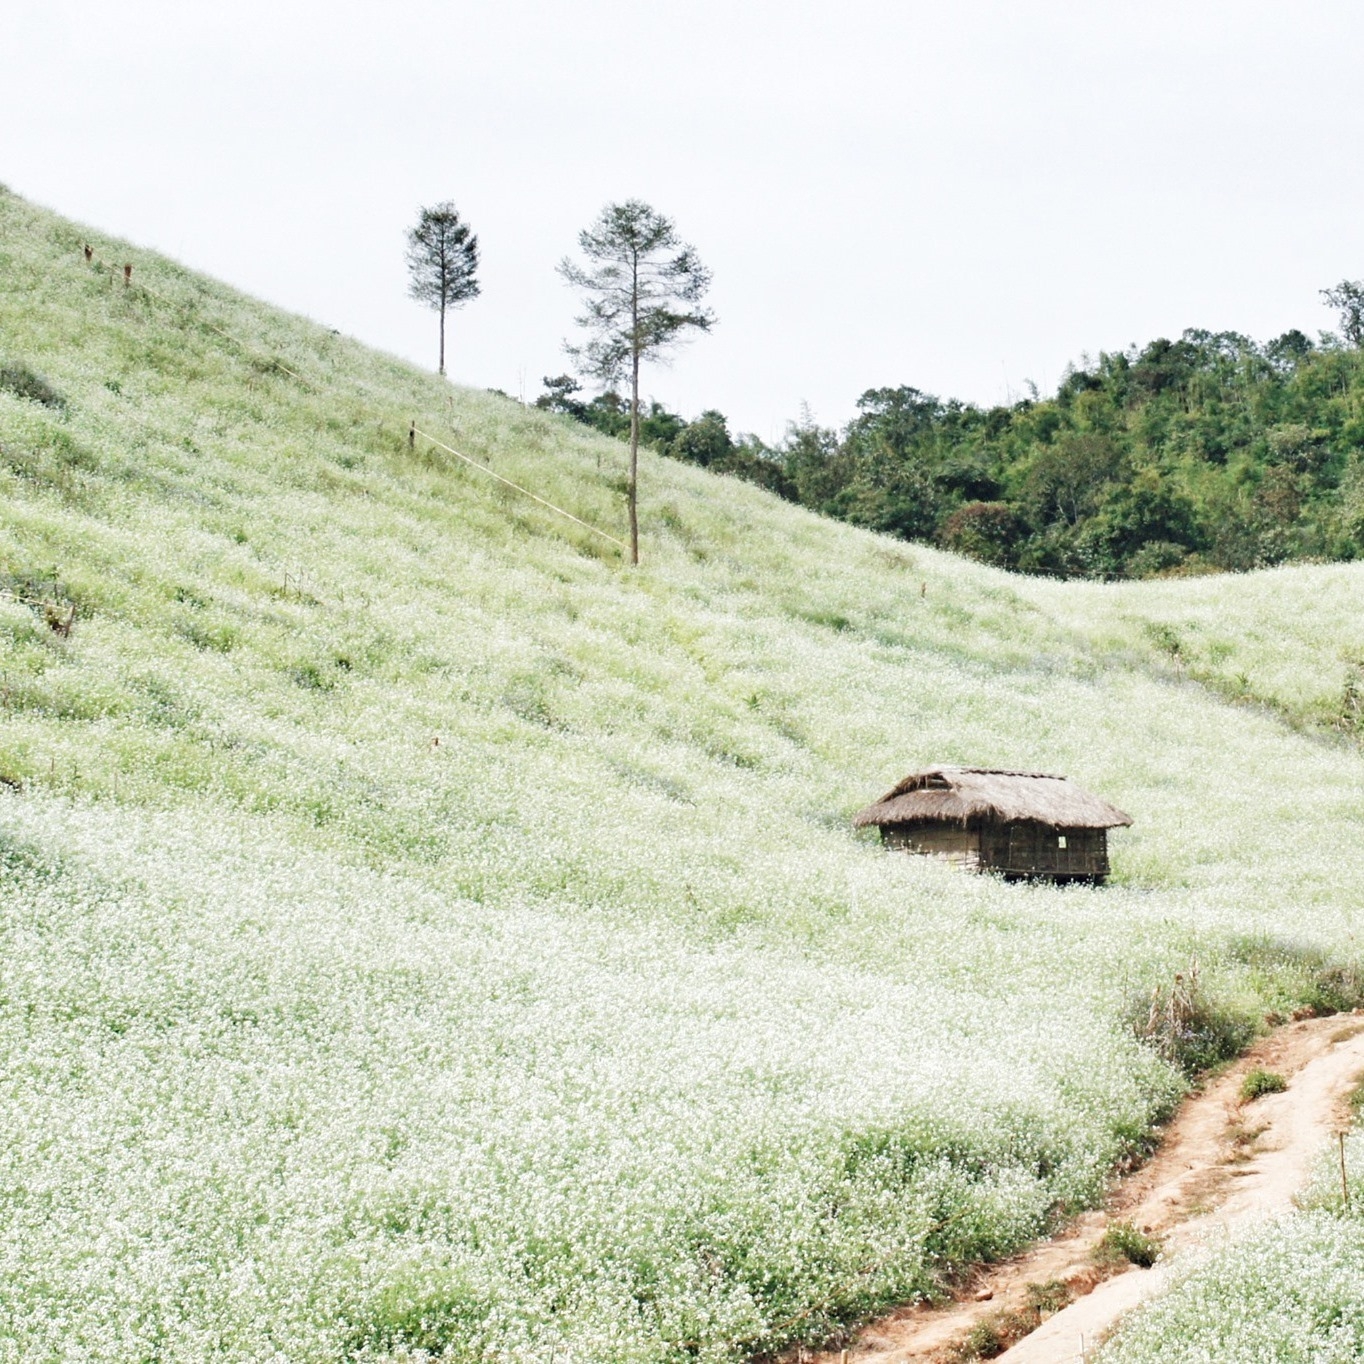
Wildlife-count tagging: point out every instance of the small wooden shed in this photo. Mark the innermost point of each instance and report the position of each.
(1022, 824)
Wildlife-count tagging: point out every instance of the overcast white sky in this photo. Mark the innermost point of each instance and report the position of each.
(958, 196)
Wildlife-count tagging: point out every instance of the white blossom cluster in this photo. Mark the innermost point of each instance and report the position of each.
(1289, 1293)
(421, 936)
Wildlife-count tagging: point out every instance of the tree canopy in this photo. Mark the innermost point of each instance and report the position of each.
(1208, 452)
(442, 263)
(642, 285)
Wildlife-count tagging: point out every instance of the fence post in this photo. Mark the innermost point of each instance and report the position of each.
(89, 252)
(412, 436)
(127, 274)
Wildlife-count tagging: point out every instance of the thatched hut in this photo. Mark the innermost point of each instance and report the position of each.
(1023, 824)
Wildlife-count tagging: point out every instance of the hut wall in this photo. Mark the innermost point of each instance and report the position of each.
(1026, 849)
(954, 842)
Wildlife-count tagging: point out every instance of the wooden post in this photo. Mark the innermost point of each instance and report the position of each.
(89, 251)
(127, 274)
(1344, 1183)
(412, 436)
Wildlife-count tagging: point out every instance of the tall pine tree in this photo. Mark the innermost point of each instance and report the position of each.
(442, 263)
(642, 282)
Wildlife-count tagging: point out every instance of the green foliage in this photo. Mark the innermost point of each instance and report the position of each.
(1259, 1082)
(432, 1311)
(1355, 1101)
(26, 383)
(1049, 1297)
(1292, 975)
(994, 1333)
(987, 1339)
(1186, 1026)
(1209, 453)
(1124, 1242)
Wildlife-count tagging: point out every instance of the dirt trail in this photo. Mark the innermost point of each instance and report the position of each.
(1222, 1164)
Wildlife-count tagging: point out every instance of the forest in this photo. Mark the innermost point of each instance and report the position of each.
(1210, 453)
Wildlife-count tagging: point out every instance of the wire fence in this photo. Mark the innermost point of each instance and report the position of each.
(126, 273)
(492, 473)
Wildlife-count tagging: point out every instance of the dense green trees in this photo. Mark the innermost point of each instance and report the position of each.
(1204, 453)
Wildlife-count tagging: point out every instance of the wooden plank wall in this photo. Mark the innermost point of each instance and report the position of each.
(1036, 849)
(948, 841)
(1015, 849)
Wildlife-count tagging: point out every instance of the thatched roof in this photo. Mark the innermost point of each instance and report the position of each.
(957, 794)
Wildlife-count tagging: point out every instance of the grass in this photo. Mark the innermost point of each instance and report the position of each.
(1259, 1082)
(1123, 1243)
(1187, 1027)
(22, 382)
(990, 1337)
(1355, 1100)
(994, 1333)
(419, 932)
(1049, 1297)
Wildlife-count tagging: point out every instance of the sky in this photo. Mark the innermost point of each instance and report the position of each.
(961, 196)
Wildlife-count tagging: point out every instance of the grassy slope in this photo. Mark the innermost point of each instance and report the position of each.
(589, 1030)
(1291, 640)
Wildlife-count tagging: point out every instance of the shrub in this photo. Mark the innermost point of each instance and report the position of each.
(991, 1336)
(1259, 1082)
(25, 383)
(1355, 1100)
(1050, 1296)
(1297, 976)
(1183, 1026)
(987, 1339)
(1336, 988)
(1155, 557)
(1122, 1241)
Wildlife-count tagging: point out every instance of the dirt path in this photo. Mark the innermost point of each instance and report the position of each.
(1221, 1165)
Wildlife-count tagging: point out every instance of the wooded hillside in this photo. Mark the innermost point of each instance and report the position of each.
(1207, 453)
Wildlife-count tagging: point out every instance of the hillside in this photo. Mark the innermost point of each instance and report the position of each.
(423, 932)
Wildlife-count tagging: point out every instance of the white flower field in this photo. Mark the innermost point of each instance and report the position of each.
(423, 936)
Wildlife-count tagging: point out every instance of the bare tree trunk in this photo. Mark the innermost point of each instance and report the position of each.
(442, 337)
(632, 493)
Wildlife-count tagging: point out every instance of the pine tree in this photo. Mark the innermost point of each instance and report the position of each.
(442, 263)
(639, 280)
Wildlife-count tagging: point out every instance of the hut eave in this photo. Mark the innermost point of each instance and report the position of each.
(958, 794)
